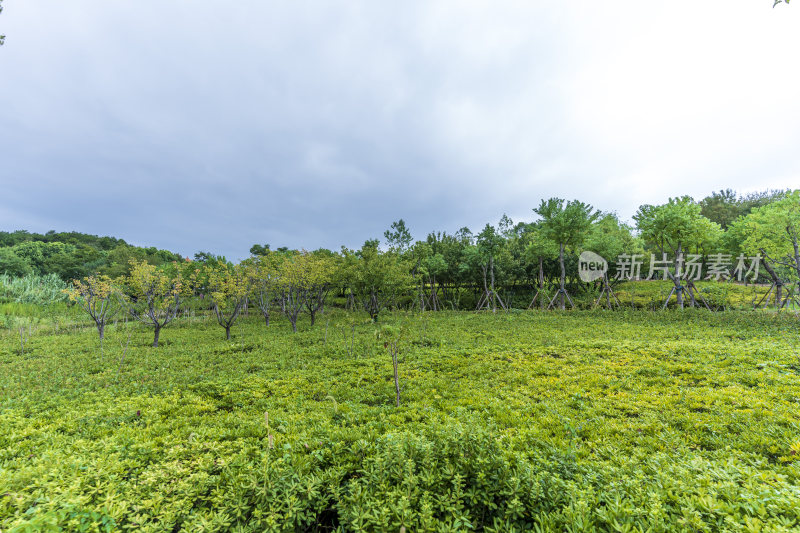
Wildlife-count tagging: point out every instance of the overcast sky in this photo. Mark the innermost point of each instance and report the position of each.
(197, 125)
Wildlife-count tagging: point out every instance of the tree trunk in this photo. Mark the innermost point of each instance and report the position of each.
(266, 319)
(101, 328)
(155, 338)
(542, 303)
(313, 316)
(396, 377)
(776, 281)
(796, 247)
(677, 280)
(228, 332)
(563, 276)
(293, 320)
(491, 270)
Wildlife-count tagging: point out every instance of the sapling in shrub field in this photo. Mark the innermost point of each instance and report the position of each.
(391, 336)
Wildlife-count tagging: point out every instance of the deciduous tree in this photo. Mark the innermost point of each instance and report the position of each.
(376, 278)
(154, 295)
(775, 230)
(567, 226)
(676, 227)
(228, 287)
(98, 297)
(264, 272)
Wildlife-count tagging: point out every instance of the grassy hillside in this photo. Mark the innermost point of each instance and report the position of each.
(582, 421)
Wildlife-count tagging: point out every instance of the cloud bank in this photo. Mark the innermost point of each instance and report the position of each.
(192, 125)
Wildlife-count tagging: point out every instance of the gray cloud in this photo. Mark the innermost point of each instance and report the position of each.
(190, 125)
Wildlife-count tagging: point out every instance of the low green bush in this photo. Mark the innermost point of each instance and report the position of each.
(527, 421)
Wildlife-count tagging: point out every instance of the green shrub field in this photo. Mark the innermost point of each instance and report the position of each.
(520, 421)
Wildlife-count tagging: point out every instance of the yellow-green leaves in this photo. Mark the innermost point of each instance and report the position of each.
(98, 296)
(154, 294)
(228, 287)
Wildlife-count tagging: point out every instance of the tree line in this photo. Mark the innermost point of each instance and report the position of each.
(502, 266)
(71, 255)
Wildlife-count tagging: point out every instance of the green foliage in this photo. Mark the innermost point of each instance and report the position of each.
(565, 224)
(398, 237)
(587, 421)
(678, 224)
(72, 255)
(724, 207)
(154, 295)
(375, 278)
(775, 230)
(12, 264)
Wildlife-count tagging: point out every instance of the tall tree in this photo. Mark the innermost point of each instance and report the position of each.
(677, 227)
(538, 249)
(610, 238)
(724, 207)
(489, 244)
(567, 226)
(398, 237)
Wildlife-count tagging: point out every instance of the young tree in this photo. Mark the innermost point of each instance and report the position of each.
(391, 337)
(433, 266)
(676, 227)
(418, 253)
(98, 297)
(264, 271)
(567, 226)
(453, 250)
(228, 287)
(489, 243)
(321, 268)
(293, 278)
(304, 280)
(375, 278)
(538, 248)
(154, 294)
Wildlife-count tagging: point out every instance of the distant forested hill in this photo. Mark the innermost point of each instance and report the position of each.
(71, 254)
